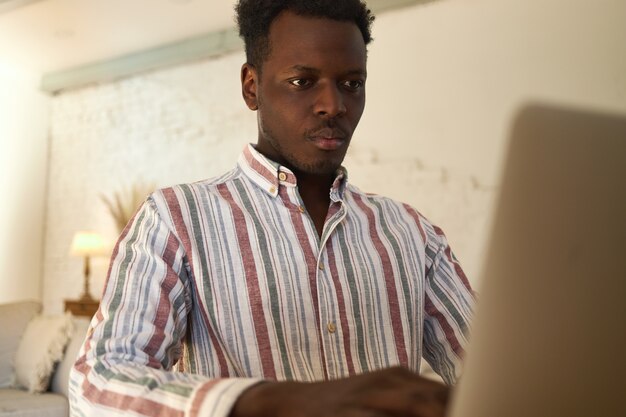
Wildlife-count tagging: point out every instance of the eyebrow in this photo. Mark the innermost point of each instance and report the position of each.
(315, 71)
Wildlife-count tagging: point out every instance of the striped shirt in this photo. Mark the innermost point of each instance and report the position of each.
(229, 280)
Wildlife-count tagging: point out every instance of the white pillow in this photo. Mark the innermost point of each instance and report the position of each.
(61, 377)
(40, 348)
(14, 318)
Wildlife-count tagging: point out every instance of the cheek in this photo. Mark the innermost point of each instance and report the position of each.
(356, 108)
(282, 122)
(290, 113)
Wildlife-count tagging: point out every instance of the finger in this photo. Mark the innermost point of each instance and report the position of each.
(404, 401)
(436, 393)
(363, 412)
(428, 409)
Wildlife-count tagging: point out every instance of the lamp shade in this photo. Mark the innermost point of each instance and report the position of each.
(88, 244)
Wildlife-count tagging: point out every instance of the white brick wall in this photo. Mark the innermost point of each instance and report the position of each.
(190, 123)
(166, 127)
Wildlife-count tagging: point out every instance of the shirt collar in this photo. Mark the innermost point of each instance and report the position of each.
(270, 175)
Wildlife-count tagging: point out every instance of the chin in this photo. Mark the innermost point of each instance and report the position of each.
(324, 167)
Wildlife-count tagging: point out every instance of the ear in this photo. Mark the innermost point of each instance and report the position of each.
(249, 83)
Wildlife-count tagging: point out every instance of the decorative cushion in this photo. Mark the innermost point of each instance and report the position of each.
(60, 380)
(40, 348)
(14, 318)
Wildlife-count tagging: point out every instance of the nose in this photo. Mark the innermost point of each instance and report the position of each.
(330, 101)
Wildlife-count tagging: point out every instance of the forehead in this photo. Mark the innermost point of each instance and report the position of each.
(314, 42)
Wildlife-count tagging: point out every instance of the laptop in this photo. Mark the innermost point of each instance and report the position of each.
(549, 336)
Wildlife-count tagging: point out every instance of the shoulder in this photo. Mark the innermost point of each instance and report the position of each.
(193, 192)
(186, 201)
(356, 197)
(397, 210)
(356, 194)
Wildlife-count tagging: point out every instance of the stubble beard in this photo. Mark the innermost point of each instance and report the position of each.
(322, 167)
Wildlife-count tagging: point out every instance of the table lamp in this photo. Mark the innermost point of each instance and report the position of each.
(87, 244)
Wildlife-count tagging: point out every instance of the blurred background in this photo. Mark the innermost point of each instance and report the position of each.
(102, 101)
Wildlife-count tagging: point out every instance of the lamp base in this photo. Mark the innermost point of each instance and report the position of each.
(87, 297)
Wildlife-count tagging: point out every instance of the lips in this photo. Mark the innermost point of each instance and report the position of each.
(328, 139)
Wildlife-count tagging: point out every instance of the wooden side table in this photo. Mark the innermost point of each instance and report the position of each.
(86, 308)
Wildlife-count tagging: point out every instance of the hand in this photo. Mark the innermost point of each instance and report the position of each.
(389, 392)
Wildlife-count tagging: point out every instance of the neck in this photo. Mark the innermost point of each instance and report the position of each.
(315, 193)
(314, 186)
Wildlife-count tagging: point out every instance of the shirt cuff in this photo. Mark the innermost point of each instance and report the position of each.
(217, 397)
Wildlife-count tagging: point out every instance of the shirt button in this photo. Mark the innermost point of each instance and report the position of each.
(301, 209)
(321, 267)
(272, 190)
(331, 327)
(282, 176)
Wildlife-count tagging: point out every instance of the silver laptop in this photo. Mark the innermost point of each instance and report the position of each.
(549, 338)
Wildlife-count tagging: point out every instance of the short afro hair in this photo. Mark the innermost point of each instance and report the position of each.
(255, 17)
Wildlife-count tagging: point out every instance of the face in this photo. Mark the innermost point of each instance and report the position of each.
(310, 94)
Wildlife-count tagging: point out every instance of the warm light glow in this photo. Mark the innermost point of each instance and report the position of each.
(88, 244)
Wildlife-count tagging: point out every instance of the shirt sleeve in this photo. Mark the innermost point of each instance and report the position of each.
(448, 306)
(126, 363)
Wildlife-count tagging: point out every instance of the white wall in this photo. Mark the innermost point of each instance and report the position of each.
(23, 153)
(445, 79)
(450, 74)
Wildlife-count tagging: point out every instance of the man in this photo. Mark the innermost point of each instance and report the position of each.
(279, 288)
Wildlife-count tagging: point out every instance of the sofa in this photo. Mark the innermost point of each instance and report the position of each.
(36, 354)
(17, 400)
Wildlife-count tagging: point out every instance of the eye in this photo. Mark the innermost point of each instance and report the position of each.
(300, 82)
(353, 85)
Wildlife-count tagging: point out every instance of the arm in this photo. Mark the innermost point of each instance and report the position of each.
(395, 392)
(137, 335)
(448, 306)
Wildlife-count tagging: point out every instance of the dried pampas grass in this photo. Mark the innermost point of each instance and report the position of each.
(125, 203)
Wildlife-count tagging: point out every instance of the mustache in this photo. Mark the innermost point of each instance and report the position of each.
(326, 131)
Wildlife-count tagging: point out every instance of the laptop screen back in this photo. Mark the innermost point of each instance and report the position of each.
(549, 337)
